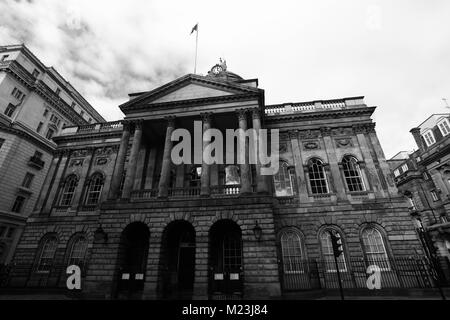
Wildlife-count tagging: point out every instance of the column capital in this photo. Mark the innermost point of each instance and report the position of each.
(206, 117)
(326, 131)
(241, 114)
(256, 113)
(138, 124)
(170, 121)
(126, 124)
(293, 134)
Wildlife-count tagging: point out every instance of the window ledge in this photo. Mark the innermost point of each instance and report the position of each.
(24, 190)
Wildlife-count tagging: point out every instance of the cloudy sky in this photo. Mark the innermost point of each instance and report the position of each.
(395, 53)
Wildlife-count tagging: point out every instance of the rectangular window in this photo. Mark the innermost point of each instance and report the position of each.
(50, 133)
(39, 127)
(444, 127)
(18, 204)
(17, 93)
(405, 167)
(35, 73)
(434, 195)
(27, 180)
(396, 172)
(9, 111)
(38, 154)
(429, 138)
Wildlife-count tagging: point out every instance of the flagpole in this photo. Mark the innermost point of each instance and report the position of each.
(196, 46)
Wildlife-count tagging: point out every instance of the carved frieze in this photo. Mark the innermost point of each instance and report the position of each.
(99, 161)
(76, 162)
(344, 143)
(309, 134)
(80, 153)
(311, 145)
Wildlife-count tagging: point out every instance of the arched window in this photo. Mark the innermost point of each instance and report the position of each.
(374, 248)
(291, 251)
(328, 254)
(317, 177)
(352, 174)
(69, 190)
(284, 181)
(95, 189)
(77, 251)
(47, 254)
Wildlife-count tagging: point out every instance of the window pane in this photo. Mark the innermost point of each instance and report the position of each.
(317, 177)
(352, 174)
(292, 254)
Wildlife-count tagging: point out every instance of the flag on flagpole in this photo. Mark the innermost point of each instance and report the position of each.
(195, 28)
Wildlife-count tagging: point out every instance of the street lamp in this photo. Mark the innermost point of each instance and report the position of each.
(257, 231)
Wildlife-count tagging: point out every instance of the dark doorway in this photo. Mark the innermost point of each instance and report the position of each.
(225, 260)
(178, 260)
(132, 259)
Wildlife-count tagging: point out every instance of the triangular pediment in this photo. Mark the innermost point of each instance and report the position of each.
(189, 87)
(192, 91)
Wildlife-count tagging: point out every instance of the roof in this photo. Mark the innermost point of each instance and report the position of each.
(57, 77)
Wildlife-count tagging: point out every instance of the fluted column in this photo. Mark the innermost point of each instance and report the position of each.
(166, 162)
(206, 168)
(261, 181)
(245, 167)
(120, 161)
(132, 162)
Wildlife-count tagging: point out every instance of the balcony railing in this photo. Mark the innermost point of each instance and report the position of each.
(144, 194)
(92, 128)
(288, 108)
(226, 190)
(184, 192)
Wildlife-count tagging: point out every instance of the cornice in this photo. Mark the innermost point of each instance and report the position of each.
(319, 114)
(190, 78)
(191, 102)
(24, 134)
(87, 136)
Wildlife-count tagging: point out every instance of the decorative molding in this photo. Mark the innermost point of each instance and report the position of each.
(311, 145)
(309, 134)
(344, 143)
(76, 162)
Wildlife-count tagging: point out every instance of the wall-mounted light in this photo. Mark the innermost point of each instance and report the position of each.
(257, 231)
(100, 235)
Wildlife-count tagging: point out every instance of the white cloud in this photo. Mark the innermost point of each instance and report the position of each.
(394, 53)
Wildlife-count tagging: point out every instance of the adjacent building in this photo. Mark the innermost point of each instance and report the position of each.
(423, 177)
(36, 103)
(139, 225)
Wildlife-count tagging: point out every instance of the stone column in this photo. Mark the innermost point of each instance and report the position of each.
(120, 161)
(298, 162)
(246, 186)
(381, 158)
(132, 162)
(334, 166)
(49, 178)
(83, 183)
(370, 165)
(166, 161)
(206, 168)
(261, 181)
(55, 188)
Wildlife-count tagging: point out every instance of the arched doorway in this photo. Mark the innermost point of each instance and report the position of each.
(225, 260)
(178, 260)
(132, 260)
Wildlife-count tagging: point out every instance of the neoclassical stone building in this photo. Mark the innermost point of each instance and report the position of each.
(140, 226)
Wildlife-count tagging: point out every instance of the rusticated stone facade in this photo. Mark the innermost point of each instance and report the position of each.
(160, 230)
